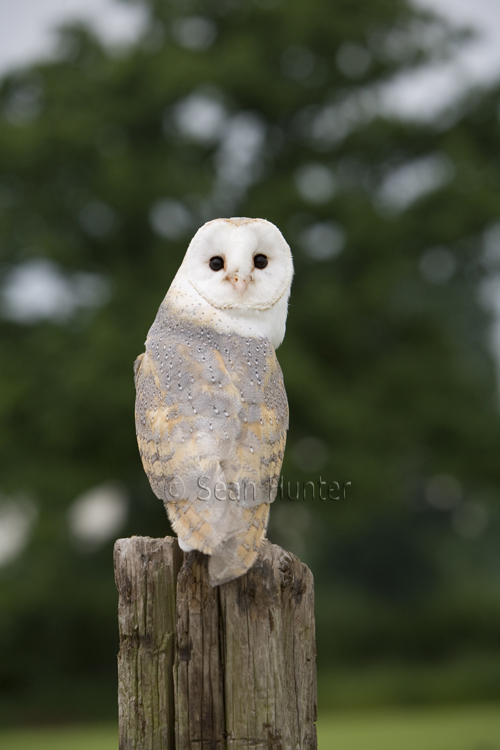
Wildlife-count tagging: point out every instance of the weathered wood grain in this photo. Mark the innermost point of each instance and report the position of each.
(146, 574)
(270, 654)
(241, 672)
(199, 664)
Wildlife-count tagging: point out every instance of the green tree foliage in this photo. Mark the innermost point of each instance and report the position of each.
(109, 161)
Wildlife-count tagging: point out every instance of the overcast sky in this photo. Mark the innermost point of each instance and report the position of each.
(26, 34)
(422, 93)
(26, 26)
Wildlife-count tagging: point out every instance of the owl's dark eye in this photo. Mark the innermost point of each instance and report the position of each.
(217, 263)
(260, 261)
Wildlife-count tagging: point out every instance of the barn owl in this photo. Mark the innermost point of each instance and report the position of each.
(211, 408)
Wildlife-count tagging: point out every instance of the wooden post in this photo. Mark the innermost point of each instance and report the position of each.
(231, 667)
(146, 574)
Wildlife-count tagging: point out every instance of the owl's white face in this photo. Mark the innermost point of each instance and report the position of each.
(239, 264)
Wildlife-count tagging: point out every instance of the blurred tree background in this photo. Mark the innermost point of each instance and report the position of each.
(109, 162)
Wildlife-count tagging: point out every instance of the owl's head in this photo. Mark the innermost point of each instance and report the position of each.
(239, 264)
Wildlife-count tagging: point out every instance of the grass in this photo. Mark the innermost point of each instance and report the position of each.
(456, 728)
(104, 737)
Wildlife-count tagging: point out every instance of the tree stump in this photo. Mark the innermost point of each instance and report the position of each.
(204, 668)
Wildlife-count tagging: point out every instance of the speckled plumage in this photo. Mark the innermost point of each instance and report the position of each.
(211, 421)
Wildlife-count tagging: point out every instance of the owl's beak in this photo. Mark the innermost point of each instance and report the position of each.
(239, 283)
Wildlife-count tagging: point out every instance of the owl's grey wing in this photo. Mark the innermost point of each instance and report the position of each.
(211, 418)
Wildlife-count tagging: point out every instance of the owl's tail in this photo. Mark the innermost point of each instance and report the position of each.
(236, 555)
(230, 558)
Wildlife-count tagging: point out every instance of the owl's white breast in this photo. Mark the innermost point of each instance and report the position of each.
(270, 323)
